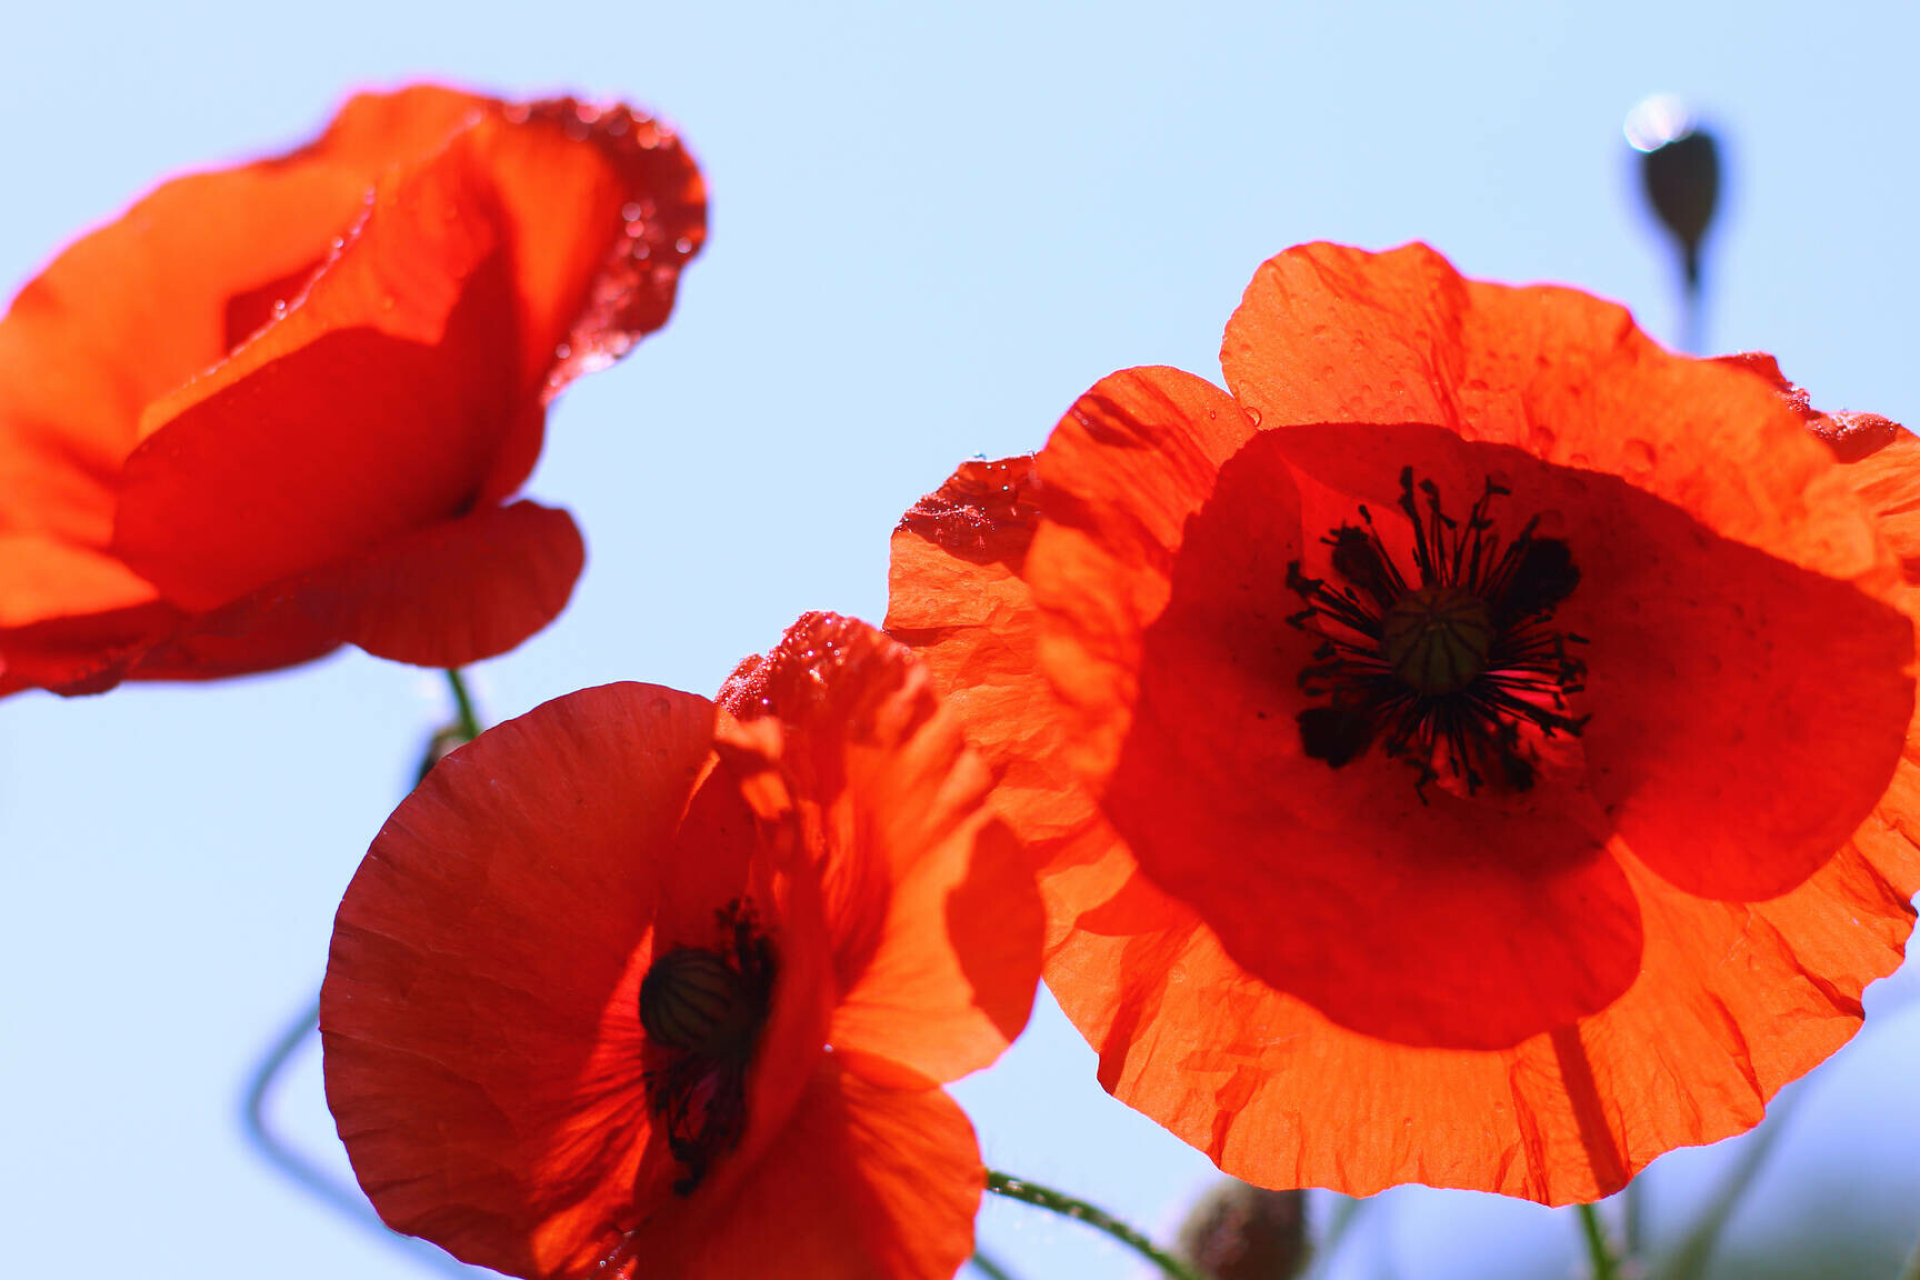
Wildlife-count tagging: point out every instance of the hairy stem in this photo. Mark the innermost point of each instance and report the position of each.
(1099, 1219)
(1600, 1253)
(467, 717)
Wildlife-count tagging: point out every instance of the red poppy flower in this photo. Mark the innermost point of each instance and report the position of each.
(1475, 751)
(636, 981)
(281, 407)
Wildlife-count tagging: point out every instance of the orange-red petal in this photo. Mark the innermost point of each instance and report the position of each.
(930, 904)
(454, 592)
(259, 374)
(1398, 356)
(863, 1183)
(1438, 920)
(480, 1010)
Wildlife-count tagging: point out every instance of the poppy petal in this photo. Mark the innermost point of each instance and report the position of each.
(906, 841)
(863, 1183)
(1520, 909)
(43, 578)
(480, 1011)
(1751, 700)
(144, 303)
(399, 351)
(1730, 1000)
(1130, 462)
(600, 231)
(452, 593)
(374, 130)
(133, 310)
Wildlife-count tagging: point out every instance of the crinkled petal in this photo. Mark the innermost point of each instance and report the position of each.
(1734, 999)
(931, 906)
(1746, 671)
(1440, 920)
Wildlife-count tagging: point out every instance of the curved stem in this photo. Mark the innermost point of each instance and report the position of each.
(989, 1266)
(1099, 1219)
(467, 718)
(1599, 1249)
(337, 1196)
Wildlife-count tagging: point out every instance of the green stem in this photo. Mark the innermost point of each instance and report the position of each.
(1690, 1259)
(1910, 1270)
(1067, 1206)
(1347, 1211)
(1633, 1217)
(468, 719)
(1599, 1248)
(989, 1266)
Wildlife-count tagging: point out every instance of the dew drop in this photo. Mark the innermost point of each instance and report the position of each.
(562, 351)
(632, 211)
(1253, 416)
(659, 707)
(517, 113)
(683, 244)
(1640, 456)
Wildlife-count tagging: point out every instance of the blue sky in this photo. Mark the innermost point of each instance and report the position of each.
(933, 226)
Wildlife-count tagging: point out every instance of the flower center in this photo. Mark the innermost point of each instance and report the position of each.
(1436, 639)
(695, 1000)
(1445, 666)
(702, 1009)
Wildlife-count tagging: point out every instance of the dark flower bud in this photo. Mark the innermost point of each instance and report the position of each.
(1680, 168)
(1241, 1232)
(439, 747)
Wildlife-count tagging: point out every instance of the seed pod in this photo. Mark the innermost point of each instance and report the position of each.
(1242, 1232)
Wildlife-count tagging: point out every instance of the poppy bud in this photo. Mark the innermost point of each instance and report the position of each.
(439, 747)
(1680, 168)
(1242, 1232)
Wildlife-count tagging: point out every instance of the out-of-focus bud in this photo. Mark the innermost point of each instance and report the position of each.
(1680, 167)
(439, 746)
(1239, 1232)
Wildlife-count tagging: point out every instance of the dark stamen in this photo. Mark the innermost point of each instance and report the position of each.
(703, 1010)
(1441, 672)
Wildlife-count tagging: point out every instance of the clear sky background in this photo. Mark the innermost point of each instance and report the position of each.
(933, 227)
